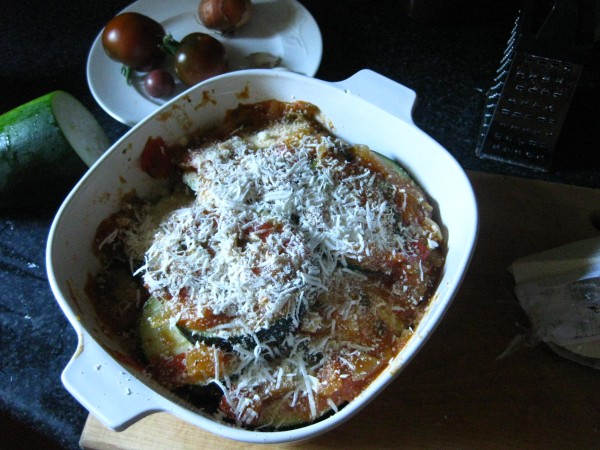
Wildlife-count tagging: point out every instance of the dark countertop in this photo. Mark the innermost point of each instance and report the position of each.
(449, 62)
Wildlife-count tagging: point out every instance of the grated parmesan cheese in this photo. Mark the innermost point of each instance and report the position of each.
(288, 226)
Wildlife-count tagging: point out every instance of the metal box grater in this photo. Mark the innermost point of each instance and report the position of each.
(527, 105)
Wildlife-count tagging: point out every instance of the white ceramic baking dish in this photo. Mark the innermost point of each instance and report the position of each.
(366, 108)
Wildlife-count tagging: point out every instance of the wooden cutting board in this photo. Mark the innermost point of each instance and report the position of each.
(457, 393)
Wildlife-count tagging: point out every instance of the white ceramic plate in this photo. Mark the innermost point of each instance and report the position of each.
(366, 108)
(283, 28)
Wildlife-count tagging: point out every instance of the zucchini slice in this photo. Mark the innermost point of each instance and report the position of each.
(280, 415)
(173, 359)
(273, 335)
(45, 144)
(412, 207)
(158, 338)
(383, 164)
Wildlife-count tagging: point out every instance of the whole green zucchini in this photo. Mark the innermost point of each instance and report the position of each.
(45, 146)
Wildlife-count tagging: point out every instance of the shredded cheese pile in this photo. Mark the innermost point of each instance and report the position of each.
(268, 227)
(277, 219)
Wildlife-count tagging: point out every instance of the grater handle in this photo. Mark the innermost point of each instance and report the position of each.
(559, 29)
(383, 92)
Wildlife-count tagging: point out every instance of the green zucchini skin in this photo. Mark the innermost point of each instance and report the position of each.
(389, 165)
(36, 159)
(276, 334)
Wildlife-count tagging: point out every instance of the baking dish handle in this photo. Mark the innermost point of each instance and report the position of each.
(109, 392)
(384, 93)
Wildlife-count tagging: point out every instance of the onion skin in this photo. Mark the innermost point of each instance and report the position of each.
(224, 15)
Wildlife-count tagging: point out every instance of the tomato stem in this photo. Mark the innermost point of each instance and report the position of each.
(170, 45)
(126, 72)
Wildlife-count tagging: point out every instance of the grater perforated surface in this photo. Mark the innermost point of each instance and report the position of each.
(530, 111)
(529, 100)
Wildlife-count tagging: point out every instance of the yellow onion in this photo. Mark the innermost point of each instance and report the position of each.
(224, 15)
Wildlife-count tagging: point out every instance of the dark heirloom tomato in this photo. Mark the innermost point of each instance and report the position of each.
(134, 40)
(199, 57)
(159, 83)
